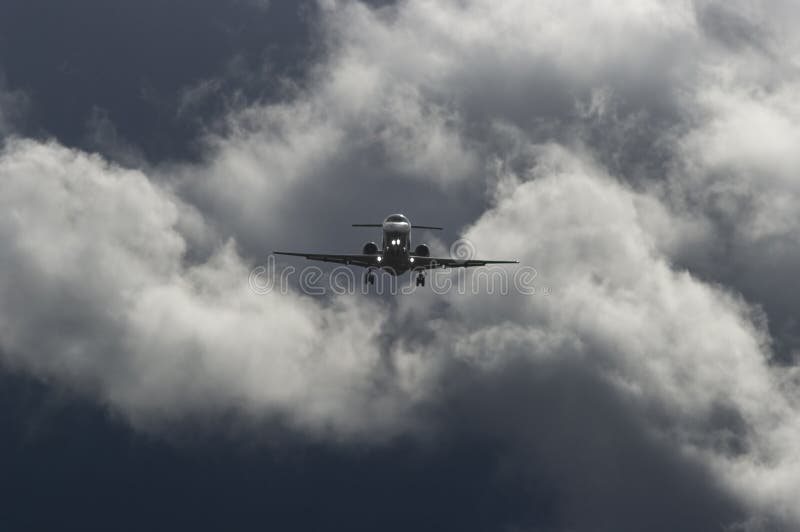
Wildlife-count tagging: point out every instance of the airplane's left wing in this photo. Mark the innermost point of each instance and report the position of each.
(356, 260)
(429, 263)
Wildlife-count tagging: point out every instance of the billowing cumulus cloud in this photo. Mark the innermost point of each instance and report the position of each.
(737, 169)
(639, 154)
(692, 357)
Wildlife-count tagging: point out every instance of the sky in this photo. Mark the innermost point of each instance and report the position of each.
(639, 156)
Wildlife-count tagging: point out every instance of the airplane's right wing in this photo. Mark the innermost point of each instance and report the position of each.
(429, 263)
(357, 260)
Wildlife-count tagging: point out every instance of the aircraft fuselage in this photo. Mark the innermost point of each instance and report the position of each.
(396, 247)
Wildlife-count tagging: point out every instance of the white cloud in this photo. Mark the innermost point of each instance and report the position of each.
(741, 162)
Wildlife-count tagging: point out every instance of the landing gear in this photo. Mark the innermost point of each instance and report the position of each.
(421, 279)
(369, 277)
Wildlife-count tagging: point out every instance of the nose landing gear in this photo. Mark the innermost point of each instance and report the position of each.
(421, 279)
(369, 277)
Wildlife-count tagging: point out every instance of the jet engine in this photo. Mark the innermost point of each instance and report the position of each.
(422, 251)
(370, 248)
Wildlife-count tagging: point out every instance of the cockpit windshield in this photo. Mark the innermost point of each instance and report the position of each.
(397, 218)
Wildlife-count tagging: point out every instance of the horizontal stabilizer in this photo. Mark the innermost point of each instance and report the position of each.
(413, 226)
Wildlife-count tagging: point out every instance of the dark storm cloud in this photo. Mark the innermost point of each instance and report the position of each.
(136, 59)
(630, 151)
(733, 27)
(582, 452)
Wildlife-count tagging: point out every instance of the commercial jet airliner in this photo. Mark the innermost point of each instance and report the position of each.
(395, 255)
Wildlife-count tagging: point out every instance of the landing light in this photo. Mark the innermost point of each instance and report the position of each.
(380, 259)
(411, 259)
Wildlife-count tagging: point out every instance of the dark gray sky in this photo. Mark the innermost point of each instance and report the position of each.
(132, 62)
(640, 155)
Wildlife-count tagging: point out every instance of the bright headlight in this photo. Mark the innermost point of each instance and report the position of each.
(380, 259)
(411, 259)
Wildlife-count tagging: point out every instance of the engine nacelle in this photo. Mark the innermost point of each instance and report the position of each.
(422, 251)
(370, 248)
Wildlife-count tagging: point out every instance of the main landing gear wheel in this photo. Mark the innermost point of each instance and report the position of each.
(420, 280)
(369, 277)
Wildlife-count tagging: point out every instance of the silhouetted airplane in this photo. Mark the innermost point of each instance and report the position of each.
(395, 255)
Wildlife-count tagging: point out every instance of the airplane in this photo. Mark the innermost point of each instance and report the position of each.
(395, 256)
